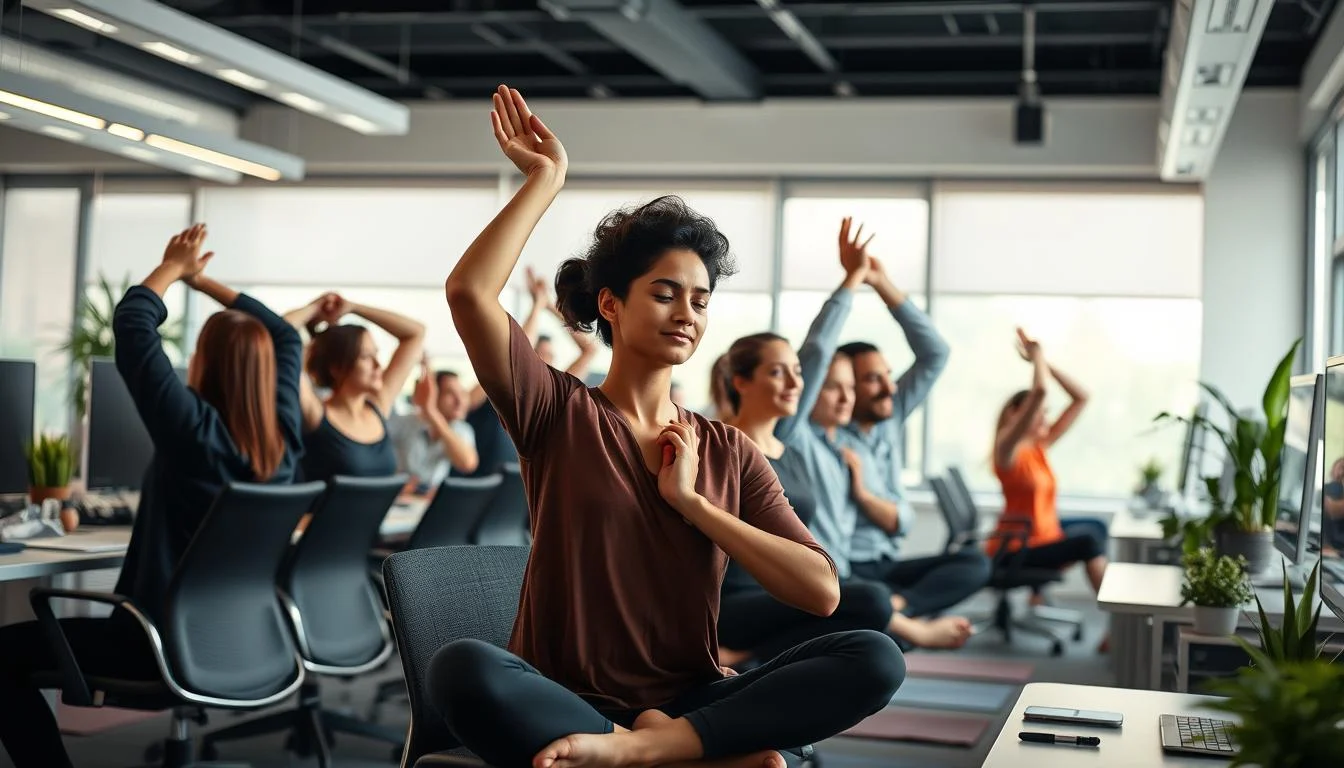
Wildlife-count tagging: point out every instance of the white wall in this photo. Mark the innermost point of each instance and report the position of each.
(1255, 226)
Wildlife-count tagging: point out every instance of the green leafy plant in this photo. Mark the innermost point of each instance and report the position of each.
(1253, 447)
(1295, 639)
(1214, 581)
(1289, 716)
(91, 335)
(51, 462)
(1150, 473)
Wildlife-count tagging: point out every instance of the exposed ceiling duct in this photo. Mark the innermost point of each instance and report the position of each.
(1209, 53)
(662, 34)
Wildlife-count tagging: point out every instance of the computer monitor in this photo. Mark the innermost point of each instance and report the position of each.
(1332, 489)
(119, 446)
(17, 391)
(1300, 467)
(1189, 482)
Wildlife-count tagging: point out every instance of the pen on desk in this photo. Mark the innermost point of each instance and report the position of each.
(1051, 738)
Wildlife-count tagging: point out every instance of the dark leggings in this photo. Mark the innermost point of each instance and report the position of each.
(752, 620)
(1061, 553)
(112, 647)
(930, 585)
(504, 710)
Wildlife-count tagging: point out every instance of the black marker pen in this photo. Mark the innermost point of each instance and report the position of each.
(1050, 738)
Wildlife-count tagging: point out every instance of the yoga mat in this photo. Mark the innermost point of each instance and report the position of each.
(906, 725)
(962, 668)
(90, 721)
(931, 693)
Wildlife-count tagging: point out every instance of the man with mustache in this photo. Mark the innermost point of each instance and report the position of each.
(872, 444)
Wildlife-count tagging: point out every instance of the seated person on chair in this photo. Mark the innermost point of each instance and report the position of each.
(636, 506)
(346, 433)
(235, 420)
(1021, 439)
(872, 446)
(435, 439)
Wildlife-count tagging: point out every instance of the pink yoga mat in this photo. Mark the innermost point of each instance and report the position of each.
(908, 725)
(89, 721)
(962, 668)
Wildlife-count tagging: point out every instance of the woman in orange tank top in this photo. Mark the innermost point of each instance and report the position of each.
(1020, 442)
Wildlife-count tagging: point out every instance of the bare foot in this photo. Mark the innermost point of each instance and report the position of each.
(653, 718)
(731, 658)
(898, 603)
(595, 750)
(946, 632)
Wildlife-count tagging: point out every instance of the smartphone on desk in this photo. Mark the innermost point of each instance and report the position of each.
(1075, 716)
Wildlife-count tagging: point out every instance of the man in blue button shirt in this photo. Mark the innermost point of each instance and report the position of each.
(873, 443)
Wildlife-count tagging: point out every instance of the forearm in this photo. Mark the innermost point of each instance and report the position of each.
(790, 572)
(1040, 373)
(484, 268)
(215, 290)
(162, 278)
(885, 514)
(399, 325)
(579, 368)
(299, 318)
(1069, 384)
(459, 451)
(532, 323)
(892, 296)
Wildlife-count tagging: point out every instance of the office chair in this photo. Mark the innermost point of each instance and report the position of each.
(505, 522)
(453, 593)
(1007, 573)
(222, 640)
(335, 614)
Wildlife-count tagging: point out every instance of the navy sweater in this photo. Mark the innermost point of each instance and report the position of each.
(194, 455)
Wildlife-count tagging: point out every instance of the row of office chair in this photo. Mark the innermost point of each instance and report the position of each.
(251, 620)
(1008, 574)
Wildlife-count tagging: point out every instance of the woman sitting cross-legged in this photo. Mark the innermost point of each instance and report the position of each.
(636, 506)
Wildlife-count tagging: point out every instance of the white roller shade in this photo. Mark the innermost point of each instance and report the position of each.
(130, 232)
(812, 226)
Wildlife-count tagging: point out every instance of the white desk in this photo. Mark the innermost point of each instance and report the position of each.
(1137, 743)
(34, 563)
(1134, 531)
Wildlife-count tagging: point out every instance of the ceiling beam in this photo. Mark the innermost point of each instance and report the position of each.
(799, 34)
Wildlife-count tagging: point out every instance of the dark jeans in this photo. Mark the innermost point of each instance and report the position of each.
(930, 585)
(112, 647)
(504, 710)
(1062, 553)
(752, 620)
(1077, 526)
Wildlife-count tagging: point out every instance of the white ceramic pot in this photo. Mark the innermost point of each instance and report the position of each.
(1215, 621)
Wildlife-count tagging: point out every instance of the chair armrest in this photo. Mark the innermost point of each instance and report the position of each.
(74, 686)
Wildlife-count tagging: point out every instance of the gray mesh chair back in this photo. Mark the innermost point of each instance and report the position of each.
(962, 492)
(223, 629)
(443, 594)
(455, 512)
(337, 614)
(505, 522)
(961, 525)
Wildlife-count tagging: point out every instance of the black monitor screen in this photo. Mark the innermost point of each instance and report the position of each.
(1190, 482)
(17, 391)
(1332, 490)
(1299, 474)
(119, 446)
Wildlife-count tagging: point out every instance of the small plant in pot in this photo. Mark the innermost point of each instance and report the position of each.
(1242, 522)
(1149, 490)
(1218, 587)
(51, 463)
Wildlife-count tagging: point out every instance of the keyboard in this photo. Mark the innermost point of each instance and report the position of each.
(1197, 736)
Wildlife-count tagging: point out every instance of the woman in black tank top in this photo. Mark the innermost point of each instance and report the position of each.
(346, 434)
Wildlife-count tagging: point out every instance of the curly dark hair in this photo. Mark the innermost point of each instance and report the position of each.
(626, 244)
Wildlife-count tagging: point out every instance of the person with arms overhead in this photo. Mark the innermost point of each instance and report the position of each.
(235, 420)
(873, 443)
(1021, 439)
(435, 439)
(346, 433)
(636, 506)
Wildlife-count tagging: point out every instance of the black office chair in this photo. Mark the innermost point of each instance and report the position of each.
(455, 512)
(505, 522)
(222, 640)
(335, 613)
(1008, 573)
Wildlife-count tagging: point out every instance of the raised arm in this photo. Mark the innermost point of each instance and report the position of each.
(587, 352)
(473, 287)
(410, 336)
(541, 303)
(459, 451)
(1077, 402)
(885, 513)
(931, 351)
(310, 406)
(1010, 437)
(814, 356)
(167, 407)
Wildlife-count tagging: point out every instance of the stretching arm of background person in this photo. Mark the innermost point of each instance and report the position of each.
(459, 451)
(301, 318)
(929, 347)
(587, 352)
(1077, 401)
(410, 336)
(1012, 434)
(885, 513)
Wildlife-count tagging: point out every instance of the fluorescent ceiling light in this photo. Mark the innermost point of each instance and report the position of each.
(299, 101)
(51, 110)
(219, 53)
(61, 132)
(125, 131)
(170, 52)
(211, 156)
(140, 153)
(85, 20)
(241, 78)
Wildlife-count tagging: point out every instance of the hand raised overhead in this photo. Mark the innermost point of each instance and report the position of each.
(853, 251)
(536, 285)
(184, 253)
(1027, 347)
(522, 136)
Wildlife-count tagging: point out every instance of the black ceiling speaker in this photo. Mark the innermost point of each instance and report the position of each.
(1029, 124)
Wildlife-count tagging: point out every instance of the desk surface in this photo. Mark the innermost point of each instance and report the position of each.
(1138, 743)
(1142, 588)
(35, 563)
(1129, 525)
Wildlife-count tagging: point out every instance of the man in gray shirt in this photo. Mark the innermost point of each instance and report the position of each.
(435, 438)
(872, 444)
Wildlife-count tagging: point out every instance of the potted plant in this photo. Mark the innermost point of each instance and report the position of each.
(51, 462)
(1294, 640)
(1288, 716)
(1149, 490)
(1217, 586)
(1243, 524)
